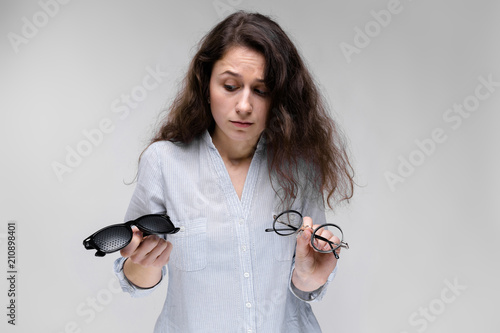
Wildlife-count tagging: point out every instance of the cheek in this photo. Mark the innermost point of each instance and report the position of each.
(215, 114)
(215, 102)
(265, 112)
(218, 99)
(218, 106)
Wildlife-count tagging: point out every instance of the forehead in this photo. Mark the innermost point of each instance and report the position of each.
(241, 60)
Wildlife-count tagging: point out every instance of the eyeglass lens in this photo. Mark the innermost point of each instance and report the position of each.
(324, 245)
(287, 223)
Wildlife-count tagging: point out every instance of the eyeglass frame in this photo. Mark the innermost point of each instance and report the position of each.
(313, 235)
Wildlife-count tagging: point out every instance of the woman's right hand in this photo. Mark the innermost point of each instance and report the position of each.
(146, 257)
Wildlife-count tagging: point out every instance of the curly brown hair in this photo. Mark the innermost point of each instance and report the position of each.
(299, 129)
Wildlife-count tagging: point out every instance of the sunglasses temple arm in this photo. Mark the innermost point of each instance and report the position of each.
(89, 246)
(100, 254)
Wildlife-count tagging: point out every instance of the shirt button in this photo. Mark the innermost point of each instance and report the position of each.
(246, 275)
(249, 331)
(243, 248)
(241, 221)
(248, 305)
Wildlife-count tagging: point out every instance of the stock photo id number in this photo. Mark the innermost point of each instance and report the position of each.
(11, 272)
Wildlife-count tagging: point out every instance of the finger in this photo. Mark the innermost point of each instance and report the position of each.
(303, 248)
(307, 228)
(321, 240)
(147, 245)
(164, 256)
(149, 258)
(325, 240)
(137, 238)
(307, 222)
(334, 242)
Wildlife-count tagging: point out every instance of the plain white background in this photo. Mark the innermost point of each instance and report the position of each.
(436, 226)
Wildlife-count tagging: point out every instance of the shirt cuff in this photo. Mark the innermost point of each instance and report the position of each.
(129, 287)
(311, 296)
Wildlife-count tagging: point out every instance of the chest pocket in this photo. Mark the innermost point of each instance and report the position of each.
(284, 247)
(189, 252)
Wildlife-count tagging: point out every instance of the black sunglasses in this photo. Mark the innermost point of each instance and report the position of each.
(115, 237)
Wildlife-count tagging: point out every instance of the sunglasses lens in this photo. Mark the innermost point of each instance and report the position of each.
(113, 238)
(155, 224)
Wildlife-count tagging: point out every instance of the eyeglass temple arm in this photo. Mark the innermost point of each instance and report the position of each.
(291, 227)
(342, 244)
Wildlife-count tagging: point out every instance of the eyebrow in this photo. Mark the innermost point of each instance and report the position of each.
(238, 75)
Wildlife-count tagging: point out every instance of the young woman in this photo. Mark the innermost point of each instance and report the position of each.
(247, 138)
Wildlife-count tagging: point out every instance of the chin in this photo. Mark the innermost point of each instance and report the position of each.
(244, 136)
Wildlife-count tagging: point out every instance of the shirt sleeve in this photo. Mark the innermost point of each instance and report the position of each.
(128, 286)
(311, 296)
(148, 198)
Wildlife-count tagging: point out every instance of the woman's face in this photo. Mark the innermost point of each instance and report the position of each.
(239, 98)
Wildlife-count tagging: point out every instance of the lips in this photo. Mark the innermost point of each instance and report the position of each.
(241, 124)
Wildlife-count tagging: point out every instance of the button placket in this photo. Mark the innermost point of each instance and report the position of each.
(239, 211)
(246, 268)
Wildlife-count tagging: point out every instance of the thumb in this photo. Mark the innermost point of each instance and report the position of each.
(137, 238)
(303, 239)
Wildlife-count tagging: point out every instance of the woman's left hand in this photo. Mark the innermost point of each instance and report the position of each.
(312, 268)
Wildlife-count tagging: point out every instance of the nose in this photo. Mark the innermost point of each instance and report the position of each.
(244, 103)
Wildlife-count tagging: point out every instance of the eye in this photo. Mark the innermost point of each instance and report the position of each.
(230, 87)
(261, 92)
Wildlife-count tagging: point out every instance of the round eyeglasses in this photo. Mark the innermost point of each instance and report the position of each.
(289, 222)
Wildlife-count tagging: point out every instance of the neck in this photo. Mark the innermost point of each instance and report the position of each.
(235, 152)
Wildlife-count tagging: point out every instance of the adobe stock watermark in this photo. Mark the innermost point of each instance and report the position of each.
(93, 138)
(428, 314)
(454, 117)
(31, 27)
(381, 19)
(225, 7)
(87, 310)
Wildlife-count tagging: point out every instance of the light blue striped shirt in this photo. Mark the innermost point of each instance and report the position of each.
(225, 274)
